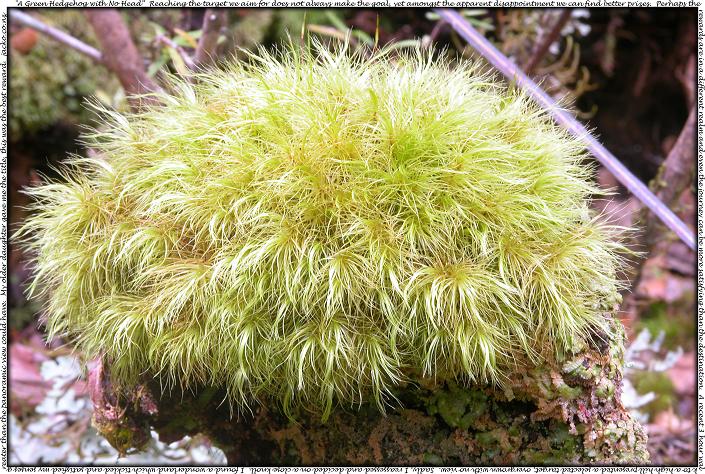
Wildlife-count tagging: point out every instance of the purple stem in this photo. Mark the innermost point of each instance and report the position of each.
(608, 160)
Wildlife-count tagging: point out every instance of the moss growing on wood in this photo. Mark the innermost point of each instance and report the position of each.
(314, 228)
(440, 423)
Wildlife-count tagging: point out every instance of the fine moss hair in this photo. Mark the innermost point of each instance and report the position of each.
(313, 226)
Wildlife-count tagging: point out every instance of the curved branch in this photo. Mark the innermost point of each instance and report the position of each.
(674, 175)
(184, 56)
(119, 52)
(56, 34)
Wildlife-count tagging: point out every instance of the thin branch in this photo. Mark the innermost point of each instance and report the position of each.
(678, 168)
(332, 32)
(565, 119)
(686, 76)
(56, 34)
(168, 42)
(119, 52)
(674, 176)
(436, 30)
(213, 20)
(546, 41)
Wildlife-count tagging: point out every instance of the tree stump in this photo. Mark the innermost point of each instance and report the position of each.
(565, 411)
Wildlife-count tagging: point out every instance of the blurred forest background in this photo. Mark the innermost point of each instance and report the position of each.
(628, 74)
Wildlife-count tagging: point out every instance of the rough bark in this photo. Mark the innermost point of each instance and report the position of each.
(674, 176)
(561, 412)
(213, 20)
(119, 52)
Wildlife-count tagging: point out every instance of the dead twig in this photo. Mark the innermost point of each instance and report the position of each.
(674, 176)
(644, 74)
(213, 20)
(546, 41)
(56, 34)
(120, 54)
(686, 76)
(184, 55)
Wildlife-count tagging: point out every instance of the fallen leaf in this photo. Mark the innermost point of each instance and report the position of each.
(682, 374)
(27, 387)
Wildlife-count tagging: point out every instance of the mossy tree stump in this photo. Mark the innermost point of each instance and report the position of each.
(562, 412)
(314, 229)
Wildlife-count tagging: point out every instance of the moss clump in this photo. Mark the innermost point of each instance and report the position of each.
(313, 227)
(50, 82)
(459, 408)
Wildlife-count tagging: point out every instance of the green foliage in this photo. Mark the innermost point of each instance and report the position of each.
(314, 227)
(660, 384)
(50, 83)
(676, 320)
(459, 408)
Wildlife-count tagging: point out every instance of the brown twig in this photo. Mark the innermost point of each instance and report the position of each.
(436, 30)
(120, 54)
(213, 20)
(674, 176)
(686, 76)
(56, 34)
(184, 55)
(546, 41)
(644, 74)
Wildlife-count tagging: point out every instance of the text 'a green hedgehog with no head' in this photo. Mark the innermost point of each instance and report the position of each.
(314, 227)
